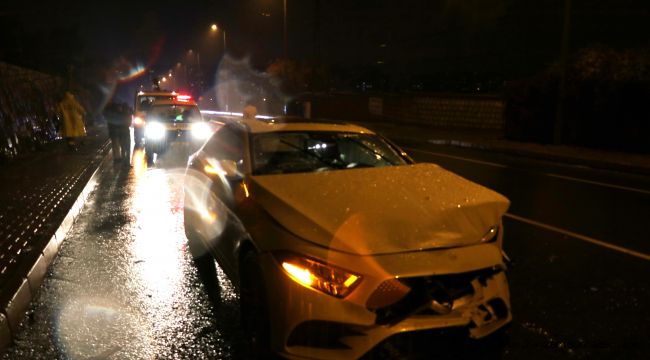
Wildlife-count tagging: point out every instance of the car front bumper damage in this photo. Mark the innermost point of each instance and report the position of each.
(308, 324)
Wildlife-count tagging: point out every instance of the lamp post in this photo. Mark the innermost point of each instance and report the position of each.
(214, 28)
(284, 28)
(558, 132)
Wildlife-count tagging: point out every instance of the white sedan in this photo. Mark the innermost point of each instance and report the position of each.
(337, 240)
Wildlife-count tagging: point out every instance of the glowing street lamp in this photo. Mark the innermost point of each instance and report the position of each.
(214, 28)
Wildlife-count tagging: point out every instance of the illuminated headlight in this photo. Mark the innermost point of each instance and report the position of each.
(201, 130)
(154, 131)
(320, 276)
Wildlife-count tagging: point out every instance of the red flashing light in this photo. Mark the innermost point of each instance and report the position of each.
(183, 98)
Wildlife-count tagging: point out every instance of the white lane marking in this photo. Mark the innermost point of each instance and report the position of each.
(620, 187)
(581, 237)
(458, 158)
(647, 192)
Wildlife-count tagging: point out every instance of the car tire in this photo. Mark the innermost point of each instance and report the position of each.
(253, 307)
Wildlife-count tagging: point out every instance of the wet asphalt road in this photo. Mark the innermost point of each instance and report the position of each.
(571, 298)
(124, 285)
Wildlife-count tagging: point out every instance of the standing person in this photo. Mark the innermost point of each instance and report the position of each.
(73, 123)
(126, 114)
(118, 119)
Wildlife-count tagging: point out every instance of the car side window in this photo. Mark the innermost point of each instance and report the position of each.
(226, 144)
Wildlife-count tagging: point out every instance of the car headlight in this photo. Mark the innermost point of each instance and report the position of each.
(201, 130)
(319, 276)
(154, 131)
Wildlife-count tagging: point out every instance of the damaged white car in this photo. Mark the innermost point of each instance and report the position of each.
(337, 240)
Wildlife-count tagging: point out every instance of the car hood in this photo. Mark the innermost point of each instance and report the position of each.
(381, 210)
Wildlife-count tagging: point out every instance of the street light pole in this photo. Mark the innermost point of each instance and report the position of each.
(223, 88)
(284, 25)
(224, 42)
(558, 131)
(215, 28)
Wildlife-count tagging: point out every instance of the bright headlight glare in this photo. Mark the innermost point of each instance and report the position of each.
(320, 276)
(154, 131)
(201, 130)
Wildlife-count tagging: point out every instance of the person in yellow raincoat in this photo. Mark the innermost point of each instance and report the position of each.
(72, 114)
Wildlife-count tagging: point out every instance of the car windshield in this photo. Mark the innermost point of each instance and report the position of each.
(144, 102)
(175, 113)
(291, 152)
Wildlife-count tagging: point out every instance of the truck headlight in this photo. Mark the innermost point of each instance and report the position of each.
(319, 276)
(201, 130)
(154, 131)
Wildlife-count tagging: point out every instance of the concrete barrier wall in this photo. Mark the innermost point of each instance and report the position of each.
(447, 111)
(437, 110)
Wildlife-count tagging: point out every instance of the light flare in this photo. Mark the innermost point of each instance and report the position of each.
(209, 169)
(201, 130)
(133, 73)
(207, 215)
(245, 187)
(212, 214)
(228, 113)
(302, 276)
(139, 163)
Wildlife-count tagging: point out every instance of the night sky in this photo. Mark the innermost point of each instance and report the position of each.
(512, 38)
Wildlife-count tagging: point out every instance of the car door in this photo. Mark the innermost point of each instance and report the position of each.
(226, 144)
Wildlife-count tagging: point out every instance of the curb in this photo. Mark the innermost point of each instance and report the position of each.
(472, 144)
(14, 310)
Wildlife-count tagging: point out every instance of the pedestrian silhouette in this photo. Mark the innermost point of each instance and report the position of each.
(73, 114)
(118, 119)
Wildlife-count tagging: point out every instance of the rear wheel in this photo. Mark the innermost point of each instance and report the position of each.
(254, 311)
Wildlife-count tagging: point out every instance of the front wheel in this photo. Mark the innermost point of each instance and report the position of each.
(253, 306)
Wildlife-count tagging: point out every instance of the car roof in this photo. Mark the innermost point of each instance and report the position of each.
(283, 124)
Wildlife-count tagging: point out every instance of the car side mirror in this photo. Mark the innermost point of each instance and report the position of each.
(230, 169)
